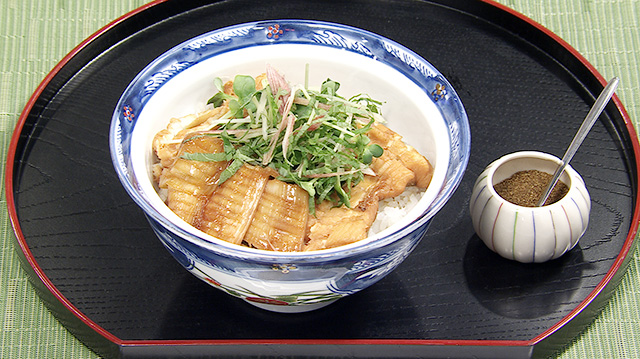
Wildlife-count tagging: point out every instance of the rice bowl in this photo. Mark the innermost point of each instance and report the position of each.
(180, 82)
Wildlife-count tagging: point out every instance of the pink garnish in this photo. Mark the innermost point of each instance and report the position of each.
(277, 83)
(314, 127)
(305, 102)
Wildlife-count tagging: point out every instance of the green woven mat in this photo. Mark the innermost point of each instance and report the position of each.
(36, 34)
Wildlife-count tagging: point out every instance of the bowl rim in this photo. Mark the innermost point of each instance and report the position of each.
(570, 172)
(418, 63)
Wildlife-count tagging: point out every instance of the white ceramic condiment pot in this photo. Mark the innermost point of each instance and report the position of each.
(529, 234)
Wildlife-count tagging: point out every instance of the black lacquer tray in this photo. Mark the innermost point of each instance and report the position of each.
(100, 269)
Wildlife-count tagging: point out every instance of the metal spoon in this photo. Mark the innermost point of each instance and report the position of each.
(584, 129)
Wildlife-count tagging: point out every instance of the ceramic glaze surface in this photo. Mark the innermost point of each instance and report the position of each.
(419, 103)
(529, 234)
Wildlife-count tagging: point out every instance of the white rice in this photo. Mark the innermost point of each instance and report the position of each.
(391, 210)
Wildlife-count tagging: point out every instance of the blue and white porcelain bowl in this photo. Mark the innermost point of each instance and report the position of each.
(419, 103)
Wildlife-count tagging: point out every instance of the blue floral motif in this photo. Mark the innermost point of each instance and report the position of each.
(177, 251)
(439, 92)
(127, 113)
(157, 79)
(368, 271)
(284, 268)
(188, 254)
(409, 59)
(334, 39)
(274, 32)
(217, 38)
(365, 273)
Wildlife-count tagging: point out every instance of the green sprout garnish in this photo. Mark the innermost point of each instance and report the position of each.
(320, 143)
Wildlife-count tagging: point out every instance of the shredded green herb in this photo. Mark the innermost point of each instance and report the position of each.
(318, 141)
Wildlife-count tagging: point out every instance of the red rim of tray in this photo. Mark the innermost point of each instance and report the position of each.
(42, 277)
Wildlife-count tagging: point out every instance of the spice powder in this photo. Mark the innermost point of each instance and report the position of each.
(525, 188)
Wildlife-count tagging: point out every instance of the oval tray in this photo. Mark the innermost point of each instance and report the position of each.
(99, 268)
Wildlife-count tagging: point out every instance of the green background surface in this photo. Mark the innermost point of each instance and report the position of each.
(36, 34)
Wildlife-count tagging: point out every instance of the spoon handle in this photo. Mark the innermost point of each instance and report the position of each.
(584, 129)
